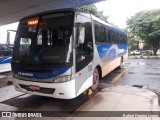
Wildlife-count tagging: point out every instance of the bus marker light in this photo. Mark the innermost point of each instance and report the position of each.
(33, 22)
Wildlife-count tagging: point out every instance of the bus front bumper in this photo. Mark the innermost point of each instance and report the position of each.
(64, 90)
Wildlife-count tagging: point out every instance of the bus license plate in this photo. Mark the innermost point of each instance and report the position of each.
(33, 88)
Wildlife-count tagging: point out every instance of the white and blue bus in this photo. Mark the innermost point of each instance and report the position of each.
(62, 53)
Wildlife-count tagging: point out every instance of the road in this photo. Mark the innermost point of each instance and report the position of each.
(135, 72)
(142, 73)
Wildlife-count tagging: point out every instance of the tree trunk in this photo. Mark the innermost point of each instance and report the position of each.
(155, 52)
(155, 46)
(155, 49)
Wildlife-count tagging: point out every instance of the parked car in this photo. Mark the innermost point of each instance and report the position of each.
(147, 53)
(158, 52)
(135, 52)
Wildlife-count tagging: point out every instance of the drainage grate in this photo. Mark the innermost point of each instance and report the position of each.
(138, 86)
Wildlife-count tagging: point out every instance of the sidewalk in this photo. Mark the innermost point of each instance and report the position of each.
(121, 98)
(115, 102)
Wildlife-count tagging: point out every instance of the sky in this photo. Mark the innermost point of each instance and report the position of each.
(3, 31)
(117, 10)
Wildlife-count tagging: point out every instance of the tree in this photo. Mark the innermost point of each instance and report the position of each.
(146, 25)
(93, 10)
(133, 41)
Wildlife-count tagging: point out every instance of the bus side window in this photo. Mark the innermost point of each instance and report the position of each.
(118, 38)
(112, 37)
(97, 28)
(115, 37)
(121, 39)
(125, 39)
(100, 33)
(107, 36)
(103, 34)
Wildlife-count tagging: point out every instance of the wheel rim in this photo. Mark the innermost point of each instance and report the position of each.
(95, 79)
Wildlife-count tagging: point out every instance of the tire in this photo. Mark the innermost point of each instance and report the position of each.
(95, 79)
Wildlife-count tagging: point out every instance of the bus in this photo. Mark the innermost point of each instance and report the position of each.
(62, 53)
(5, 54)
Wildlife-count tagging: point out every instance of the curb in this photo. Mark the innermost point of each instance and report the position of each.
(144, 57)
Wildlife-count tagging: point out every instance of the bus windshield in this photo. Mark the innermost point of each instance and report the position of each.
(45, 39)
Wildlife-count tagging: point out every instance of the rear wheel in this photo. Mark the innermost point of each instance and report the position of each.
(95, 79)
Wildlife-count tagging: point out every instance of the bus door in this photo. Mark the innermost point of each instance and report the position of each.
(84, 55)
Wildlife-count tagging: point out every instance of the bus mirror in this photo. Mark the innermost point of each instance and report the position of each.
(8, 39)
(81, 35)
(10, 36)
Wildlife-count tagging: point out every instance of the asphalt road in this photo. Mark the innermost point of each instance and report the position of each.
(143, 73)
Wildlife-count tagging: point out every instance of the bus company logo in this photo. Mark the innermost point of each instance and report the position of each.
(105, 49)
(25, 74)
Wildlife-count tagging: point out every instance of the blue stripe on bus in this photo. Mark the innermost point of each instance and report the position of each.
(110, 51)
(123, 46)
(40, 75)
(5, 59)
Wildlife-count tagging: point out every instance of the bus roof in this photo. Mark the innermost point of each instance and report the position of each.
(77, 10)
(54, 11)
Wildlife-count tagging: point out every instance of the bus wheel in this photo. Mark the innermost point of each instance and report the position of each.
(121, 62)
(95, 79)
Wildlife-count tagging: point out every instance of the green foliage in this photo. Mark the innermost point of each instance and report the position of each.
(146, 25)
(133, 41)
(93, 10)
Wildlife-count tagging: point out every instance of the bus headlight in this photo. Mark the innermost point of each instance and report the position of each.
(61, 79)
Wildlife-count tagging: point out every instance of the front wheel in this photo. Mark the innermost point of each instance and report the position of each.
(95, 79)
